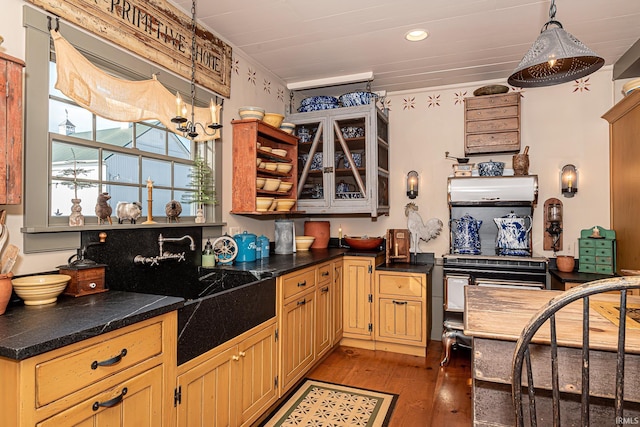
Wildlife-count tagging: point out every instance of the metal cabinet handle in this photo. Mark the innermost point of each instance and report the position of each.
(242, 354)
(109, 362)
(324, 290)
(324, 273)
(111, 402)
(235, 358)
(399, 302)
(303, 302)
(300, 284)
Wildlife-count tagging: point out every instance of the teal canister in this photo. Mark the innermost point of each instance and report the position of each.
(246, 247)
(208, 257)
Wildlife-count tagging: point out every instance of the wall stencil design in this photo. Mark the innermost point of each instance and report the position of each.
(251, 76)
(267, 86)
(459, 97)
(236, 66)
(582, 85)
(434, 101)
(409, 103)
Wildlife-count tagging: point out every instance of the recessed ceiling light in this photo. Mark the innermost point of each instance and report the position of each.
(416, 35)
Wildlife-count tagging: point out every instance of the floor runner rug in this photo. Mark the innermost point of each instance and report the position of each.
(317, 403)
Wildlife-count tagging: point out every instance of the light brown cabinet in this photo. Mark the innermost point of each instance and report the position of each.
(358, 297)
(124, 377)
(492, 124)
(11, 130)
(624, 164)
(231, 385)
(247, 135)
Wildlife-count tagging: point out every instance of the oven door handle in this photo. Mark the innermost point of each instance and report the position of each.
(511, 283)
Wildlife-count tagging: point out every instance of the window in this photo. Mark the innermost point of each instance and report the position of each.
(87, 154)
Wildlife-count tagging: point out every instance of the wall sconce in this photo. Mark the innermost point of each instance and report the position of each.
(412, 184)
(569, 180)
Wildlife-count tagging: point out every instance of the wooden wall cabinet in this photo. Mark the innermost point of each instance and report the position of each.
(61, 387)
(492, 124)
(624, 164)
(11, 130)
(247, 134)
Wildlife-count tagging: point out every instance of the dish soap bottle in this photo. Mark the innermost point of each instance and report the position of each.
(208, 257)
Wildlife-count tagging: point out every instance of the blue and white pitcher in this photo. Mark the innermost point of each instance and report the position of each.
(466, 235)
(513, 235)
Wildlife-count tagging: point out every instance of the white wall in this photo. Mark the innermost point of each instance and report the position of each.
(561, 124)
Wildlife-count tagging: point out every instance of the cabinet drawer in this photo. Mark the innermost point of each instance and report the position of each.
(587, 243)
(587, 268)
(407, 285)
(492, 142)
(604, 244)
(607, 260)
(70, 372)
(498, 125)
(298, 282)
(324, 273)
(486, 114)
(604, 252)
(492, 101)
(604, 269)
(587, 259)
(587, 251)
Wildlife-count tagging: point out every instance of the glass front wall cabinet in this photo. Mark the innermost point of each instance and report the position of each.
(343, 160)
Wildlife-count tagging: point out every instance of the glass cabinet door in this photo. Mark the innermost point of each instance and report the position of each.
(349, 155)
(382, 146)
(311, 147)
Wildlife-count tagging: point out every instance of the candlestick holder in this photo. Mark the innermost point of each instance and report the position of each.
(149, 202)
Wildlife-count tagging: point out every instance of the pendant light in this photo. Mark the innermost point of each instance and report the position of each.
(555, 57)
(188, 127)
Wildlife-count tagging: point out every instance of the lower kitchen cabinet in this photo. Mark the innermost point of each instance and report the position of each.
(324, 294)
(231, 385)
(385, 310)
(120, 378)
(401, 308)
(297, 326)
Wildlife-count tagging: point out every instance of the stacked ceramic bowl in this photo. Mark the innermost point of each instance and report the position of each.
(273, 119)
(316, 103)
(40, 289)
(630, 86)
(287, 127)
(353, 99)
(251, 113)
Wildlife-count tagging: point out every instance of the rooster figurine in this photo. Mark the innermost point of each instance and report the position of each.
(418, 229)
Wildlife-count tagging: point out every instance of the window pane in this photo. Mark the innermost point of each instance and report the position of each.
(67, 119)
(63, 191)
(160, 199)
(74, 161)
(114, 133)
(122, 193)
(53, 76)
(150, 139)
(179, 146)
(159, 171)
(181, 176)
(120, 167)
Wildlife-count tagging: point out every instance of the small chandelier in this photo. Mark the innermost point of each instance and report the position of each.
(555, 57)
(188, 127)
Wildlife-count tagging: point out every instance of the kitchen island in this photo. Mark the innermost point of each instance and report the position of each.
(495, 317)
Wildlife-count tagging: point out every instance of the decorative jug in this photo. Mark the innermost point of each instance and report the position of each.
(246, 247)
(263, 242)
(513, 235)
(466, 235)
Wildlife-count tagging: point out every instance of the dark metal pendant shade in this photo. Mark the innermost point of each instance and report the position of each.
(555, 57)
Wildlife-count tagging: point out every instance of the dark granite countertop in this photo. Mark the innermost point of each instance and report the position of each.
(26, 331)
(577, 277)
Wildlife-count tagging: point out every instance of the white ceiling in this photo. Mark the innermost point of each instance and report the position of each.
(470, 40)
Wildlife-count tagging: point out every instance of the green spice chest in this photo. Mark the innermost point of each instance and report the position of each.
(597, 251)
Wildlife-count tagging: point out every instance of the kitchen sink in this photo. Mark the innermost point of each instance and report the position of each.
(220, 306)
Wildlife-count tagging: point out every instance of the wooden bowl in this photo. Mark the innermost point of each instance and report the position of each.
(363, 243)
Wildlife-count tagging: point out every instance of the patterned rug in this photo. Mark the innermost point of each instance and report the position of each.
(321, 404)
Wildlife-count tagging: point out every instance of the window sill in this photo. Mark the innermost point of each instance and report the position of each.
(89, 227)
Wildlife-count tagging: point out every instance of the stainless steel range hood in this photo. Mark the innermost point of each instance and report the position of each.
(497, 190)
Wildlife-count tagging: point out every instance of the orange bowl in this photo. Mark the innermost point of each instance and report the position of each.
(363, 243)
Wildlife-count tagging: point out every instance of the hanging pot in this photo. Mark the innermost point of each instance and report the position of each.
(513, 235)
(466, 235)
(246, 247)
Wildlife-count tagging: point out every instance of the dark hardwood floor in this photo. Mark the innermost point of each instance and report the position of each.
(428, 394)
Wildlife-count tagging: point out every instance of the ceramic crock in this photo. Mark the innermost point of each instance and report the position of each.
(466, 235)
(263, 242)
(513, 235)
(246, 247)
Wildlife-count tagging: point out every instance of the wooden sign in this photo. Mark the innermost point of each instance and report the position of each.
(155, 30)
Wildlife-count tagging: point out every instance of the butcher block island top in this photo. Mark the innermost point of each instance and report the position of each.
(501, 314)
